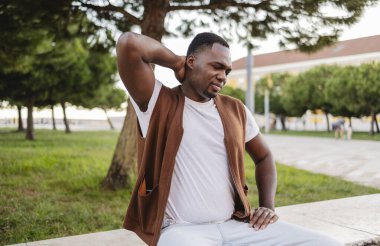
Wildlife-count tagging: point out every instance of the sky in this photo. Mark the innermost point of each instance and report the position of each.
(367, 26)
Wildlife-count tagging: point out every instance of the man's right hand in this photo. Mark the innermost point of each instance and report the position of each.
(180, 69)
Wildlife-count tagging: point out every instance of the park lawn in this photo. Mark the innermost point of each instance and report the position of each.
(51, 187)
(325, 134)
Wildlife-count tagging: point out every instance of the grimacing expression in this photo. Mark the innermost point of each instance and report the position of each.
(209, 70)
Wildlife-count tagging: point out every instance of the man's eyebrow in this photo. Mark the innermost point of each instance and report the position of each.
(228, 68)
(223, 65)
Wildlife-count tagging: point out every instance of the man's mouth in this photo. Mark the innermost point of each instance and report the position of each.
(216, 87)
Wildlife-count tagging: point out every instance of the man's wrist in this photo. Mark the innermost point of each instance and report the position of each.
(268, 206)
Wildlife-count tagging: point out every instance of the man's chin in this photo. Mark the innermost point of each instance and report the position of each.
(211, 94)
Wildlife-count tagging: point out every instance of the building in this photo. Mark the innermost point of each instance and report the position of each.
(348, 52)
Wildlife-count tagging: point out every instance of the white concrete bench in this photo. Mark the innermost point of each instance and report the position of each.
(352, 221)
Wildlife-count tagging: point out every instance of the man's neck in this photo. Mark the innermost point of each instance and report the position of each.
(191, 93)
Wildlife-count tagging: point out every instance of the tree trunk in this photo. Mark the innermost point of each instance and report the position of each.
(376, 123)
(108, 119)
(53, 117)
(350, 121)
(372, 131)
(123, 164)
(124, 159)
(20, 125)
(283, 121)
(29, 121)
(65, 121)
(327, 121)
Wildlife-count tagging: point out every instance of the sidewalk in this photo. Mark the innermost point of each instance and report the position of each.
(351, 221)
(356, 160)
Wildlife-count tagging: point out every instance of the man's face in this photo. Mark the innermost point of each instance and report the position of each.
(209, 69)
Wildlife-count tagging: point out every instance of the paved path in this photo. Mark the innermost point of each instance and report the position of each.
(355, 160)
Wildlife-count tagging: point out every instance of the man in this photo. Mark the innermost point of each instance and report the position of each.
(190, 188)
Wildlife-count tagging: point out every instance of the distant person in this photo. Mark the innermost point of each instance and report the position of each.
(191, 187)
(338, 127)
(348, 130)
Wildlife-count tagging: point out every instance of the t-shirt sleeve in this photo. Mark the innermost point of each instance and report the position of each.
(144, 117)
(251, 127)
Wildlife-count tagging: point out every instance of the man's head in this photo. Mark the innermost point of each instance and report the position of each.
(208, 61)
(205, 40)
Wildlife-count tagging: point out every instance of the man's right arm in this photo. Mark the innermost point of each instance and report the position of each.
(134, 54)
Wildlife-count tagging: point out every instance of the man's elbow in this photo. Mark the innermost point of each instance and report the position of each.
(127, 40)
(266, 158)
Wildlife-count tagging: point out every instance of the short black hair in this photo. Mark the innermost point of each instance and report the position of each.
(205, 39)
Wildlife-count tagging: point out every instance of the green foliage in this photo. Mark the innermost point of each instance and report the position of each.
(107, 97)
(274, 83)
(341, 92)
(368, 87)
(308, 25)
(350, 91)
(51, 187)
(308, 91)
(234, 92)
(54, 54)
(296, 94)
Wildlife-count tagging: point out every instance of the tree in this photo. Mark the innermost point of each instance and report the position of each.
(244, 19)
(341, 92)
(107, 97)
(318, 78)
(274, 84)
(295, 95)
(234, 92)
(27, 29)
(368, 89)
(99, 90)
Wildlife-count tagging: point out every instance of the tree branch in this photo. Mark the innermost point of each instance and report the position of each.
(217, 5)
(129, 17)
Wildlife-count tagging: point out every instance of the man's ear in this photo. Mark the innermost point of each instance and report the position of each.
(190, 61)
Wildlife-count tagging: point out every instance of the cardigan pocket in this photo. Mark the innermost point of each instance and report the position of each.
(147, 207)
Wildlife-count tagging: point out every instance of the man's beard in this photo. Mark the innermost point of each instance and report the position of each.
(209, 95)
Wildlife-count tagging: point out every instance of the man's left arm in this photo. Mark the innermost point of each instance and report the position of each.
(266, 181)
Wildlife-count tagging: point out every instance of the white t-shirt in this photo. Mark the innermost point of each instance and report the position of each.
(201, 188)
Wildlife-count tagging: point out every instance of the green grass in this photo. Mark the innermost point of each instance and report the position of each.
(325, 134)
(51, 187)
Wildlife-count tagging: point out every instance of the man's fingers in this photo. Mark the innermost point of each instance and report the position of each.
(261, 217)
(273, 219)
(255, 216)
(266, 221)
(262, 220)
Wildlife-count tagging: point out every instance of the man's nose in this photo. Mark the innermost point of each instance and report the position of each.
(222, 77)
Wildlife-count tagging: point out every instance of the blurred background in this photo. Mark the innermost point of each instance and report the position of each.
(67, 134)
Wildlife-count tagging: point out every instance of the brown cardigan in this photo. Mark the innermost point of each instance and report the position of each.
(156, 158)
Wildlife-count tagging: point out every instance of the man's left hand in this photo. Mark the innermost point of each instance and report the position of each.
(261, 217)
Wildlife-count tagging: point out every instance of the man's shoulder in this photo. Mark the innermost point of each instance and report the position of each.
(167, 96)
(229, 99)
(170, 91)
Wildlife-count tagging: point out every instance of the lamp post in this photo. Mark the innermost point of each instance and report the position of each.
(249, 93)
(266, 103)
